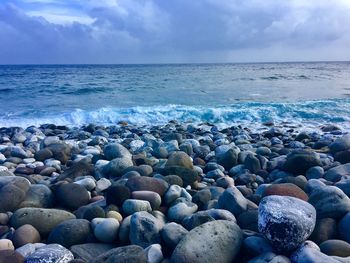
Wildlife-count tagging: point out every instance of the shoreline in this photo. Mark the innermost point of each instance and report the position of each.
(177, 192)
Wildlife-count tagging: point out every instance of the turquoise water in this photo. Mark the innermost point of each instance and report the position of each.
(310, 93)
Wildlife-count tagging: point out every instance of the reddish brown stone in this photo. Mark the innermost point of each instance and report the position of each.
(286, 189)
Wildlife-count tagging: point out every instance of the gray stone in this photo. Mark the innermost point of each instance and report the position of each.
(12, 191)
(216, 241)
(116, 167)
(252, 163)
(154, 253)
(70, 232)
(337, 173)
(227, 159)
(233, 200)
(173, 192)
(314, 172)
(116, 150)
(179, 159)
(309, 252)
(172, 233)
(256, 245)
(126, 254)
(340, 144)
(131, 206)
(90, 251)
(329, 201)
(299, 161)
(52, 253)
(180, 210)
(286, 221)
(269, 257)
(344, 185)
(152, 197)
(344, 227)
(38, 195)
(106, 230)
(144, 229)
(44, 220)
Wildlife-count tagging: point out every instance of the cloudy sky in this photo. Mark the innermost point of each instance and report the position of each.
(170, 31)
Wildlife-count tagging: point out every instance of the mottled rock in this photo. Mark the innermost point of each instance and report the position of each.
(144, 229)
(286, 221)
(216, 241)
(52, 253)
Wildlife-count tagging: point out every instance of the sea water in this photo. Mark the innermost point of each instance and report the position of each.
(305, 93)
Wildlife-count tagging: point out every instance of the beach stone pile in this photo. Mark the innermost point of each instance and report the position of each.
(180, 192)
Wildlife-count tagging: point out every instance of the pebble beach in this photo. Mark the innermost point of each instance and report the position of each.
(179, 192)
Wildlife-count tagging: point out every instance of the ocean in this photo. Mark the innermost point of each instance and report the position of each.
(309, 94)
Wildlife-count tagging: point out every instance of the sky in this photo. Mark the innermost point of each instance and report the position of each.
(173, 31)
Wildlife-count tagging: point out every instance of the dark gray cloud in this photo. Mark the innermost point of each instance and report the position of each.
(138, 31)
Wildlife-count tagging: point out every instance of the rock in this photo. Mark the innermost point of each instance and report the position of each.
(116, 150)
(10, 256)
(116, 167)
(233, 200)
(6, 244)
(78, 169)
(188, 176)
(269, 257)
(286, 189)
(87, 182)
(38, 195)
(309, 252)
(52, 253)
(72, 196)
(228, 159)
(344, 228)
(60, 151)
(131, 206)
(340, 144)
(256, 245)
(286, 221)
(107, 230)
(16, 151)
(117, 194)
(342, 157)
(124, 230)
(25, 234)
(44, 220)
(28, 249)
(70, 232)
(249, 220)
(172, 233)
(102, 185)
(173, 193)
(154, 253)
(147, 184)
(94, 211)
(180, 210)
(201, 198)
(89, 251)
(344, 185)
(299, 161)
(314, 172)
(329, 201)
(216, 241)
(337, 173)
(12, 191)
(43, 154)
(179, 159)
(152, 197)
(129, 254)
(252, 163)
(335, 247)
(326, 228)
(144, 229)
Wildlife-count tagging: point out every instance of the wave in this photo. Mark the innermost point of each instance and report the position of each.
(250, 113)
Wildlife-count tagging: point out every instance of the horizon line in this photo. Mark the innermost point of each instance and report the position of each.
(173, 63)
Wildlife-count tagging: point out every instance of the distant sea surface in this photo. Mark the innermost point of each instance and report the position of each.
(306, 93)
